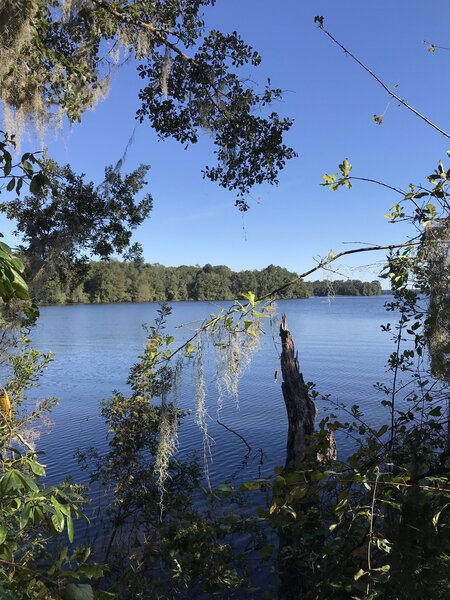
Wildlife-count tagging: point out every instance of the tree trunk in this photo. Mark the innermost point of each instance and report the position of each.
(294, 577)
(301, 410)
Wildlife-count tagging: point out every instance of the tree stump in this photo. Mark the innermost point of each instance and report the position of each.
(294, 576)
(301, 410)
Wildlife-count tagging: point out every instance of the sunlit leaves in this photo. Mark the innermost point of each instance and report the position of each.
(334, 182)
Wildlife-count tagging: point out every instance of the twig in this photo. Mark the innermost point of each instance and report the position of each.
(236, 433)
(389, 187)
(382, 84)
(434, 45)
(327, 261)
(151, 27)
(320, 264)
(372, 511)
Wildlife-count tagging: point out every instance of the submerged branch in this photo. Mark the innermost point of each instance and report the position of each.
(236, 433)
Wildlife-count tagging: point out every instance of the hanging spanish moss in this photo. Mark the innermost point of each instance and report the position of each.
(37, 94)
(233, 354)
(436, 243)
(168, 443)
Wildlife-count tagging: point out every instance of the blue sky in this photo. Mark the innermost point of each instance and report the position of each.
(332, 101)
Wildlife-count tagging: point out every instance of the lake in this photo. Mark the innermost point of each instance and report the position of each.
(341, 348)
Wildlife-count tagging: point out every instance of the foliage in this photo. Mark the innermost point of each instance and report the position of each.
(12, 283)
(386, 506)
(33, 514)
(172, 548)
(383, 511)
(135, 281)
(66, 220)
(374, 524)
(56, 58)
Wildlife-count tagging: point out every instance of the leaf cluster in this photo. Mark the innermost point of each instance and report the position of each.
(70, 219)
(34, 515)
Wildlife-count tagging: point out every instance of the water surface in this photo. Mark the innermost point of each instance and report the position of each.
(341, 348)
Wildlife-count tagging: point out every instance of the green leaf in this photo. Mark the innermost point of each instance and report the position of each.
(14, 481)
(38, 181)
(345, 167)
(32, 312)
(8, 163)
(250, 297)
(225, 487)
(298, 492)
(290, 511)
(359, 574)
(438, 514)
(382, 430)
(78, 591)
(17, 264)
(58, 517)
(24, 516)
(11, 184)
(248, 487)
(27, 168)
(3, 533)
(36, 468)
(69, 528)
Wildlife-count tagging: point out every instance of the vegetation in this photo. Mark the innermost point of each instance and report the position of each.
(134, 281)
(372, 525)
(33, 515)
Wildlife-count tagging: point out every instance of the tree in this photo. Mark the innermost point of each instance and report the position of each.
(52, 67)
(185, 93)
(67, 220)
(33, 515)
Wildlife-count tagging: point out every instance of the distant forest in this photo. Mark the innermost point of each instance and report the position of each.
(115, 281)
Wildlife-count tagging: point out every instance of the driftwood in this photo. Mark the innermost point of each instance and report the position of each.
(301, 410)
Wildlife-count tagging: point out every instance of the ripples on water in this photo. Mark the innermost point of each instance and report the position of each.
(340, 344)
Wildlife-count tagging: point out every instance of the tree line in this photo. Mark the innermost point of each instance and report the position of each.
(134, 281)
(368, 526)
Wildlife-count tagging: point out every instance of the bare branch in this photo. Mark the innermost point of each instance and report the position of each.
(382, 84)
(208, 323)
(331, 259)
(236, 433)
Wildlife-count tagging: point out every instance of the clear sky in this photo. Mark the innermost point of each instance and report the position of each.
(332, 101)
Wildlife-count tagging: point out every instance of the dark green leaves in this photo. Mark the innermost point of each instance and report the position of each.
(14, 482)
(71, 217)
(205, 93)
(21, 171)
(12, 284)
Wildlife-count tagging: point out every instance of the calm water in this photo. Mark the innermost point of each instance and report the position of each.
(340, 344)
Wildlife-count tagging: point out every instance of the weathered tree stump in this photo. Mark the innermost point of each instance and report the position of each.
(293, 572)
(300, 408)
